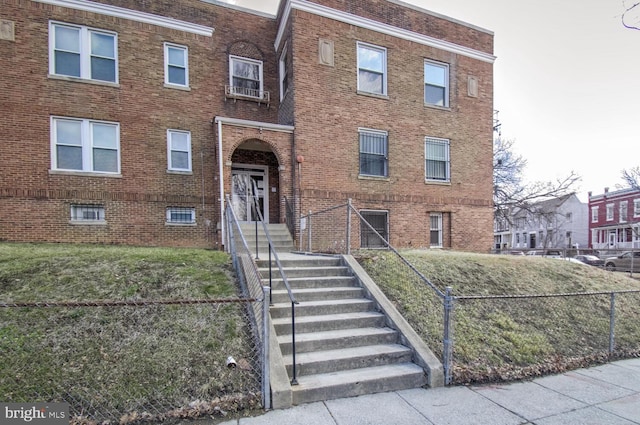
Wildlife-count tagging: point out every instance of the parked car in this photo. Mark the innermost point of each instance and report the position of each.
(516, 253)
(553, 253)
(570, 260)
(592, 260)
(623, 262)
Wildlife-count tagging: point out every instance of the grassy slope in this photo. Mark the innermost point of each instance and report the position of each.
(121, 359)
(499, 339)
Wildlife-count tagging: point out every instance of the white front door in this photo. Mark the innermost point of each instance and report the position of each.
(613, 238)
(245, 180)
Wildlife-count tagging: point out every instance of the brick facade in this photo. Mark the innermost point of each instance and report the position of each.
(318, 119)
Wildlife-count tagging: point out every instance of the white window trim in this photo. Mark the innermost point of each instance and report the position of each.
(233, 58)
(76, 219)
(87, 146)
(384, 68)
(448, 168)
(85, 52)
(439, 229)
(594, 214)
(610, 208)
(624, 211)
(446, 87)
(636, 208)
(170, 149)
(386, 158)
(185, 51)
(191, 210)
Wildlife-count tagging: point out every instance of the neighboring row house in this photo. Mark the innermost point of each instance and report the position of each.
(554, 223)
(615, 219)
(130, 122)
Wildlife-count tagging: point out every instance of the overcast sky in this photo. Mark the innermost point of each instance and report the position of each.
(566, 83)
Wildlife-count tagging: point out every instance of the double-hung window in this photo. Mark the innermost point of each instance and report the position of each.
(85, 145)
(245, 77)
(437, 162)
(82, 52)
(436, 84)
(179, 148)
(610, 212)
(372, 69)
(624, 211)
(636, 208)
(594, 214)
(374, 147)
(435, 230)
(176, 65)
(284, 78)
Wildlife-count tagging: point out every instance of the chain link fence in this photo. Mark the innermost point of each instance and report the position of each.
(484, 338)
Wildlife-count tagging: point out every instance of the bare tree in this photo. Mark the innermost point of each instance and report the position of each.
(511, 193)
(631, 15)
(631, 177)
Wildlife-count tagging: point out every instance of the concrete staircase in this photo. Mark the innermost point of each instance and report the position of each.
(279, 233)
(343, 344)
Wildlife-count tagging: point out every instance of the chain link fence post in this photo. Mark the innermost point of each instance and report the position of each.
(266, 383)
(348, 238)
(447, 336)
(612, 323)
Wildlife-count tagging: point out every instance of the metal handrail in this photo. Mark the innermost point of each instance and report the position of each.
(255, 205)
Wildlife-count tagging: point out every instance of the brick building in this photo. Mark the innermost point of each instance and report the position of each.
(615, 219)
(129, 122)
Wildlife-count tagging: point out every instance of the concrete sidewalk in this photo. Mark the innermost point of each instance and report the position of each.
(607, 394)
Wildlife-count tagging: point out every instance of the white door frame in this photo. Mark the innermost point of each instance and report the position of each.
(263, 192)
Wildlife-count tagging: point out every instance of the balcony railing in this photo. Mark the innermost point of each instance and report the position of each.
(260, 96)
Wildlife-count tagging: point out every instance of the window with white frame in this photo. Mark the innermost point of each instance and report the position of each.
(437, 162)
(374, 146)
(435, 233)
(624, 211)
(82, 52)
(179, 149)
(372, 69)
(87, 213)
(609, 212)
(245, 77)
(181, 215)
(594, 214)
(176, 65)
(85, 145)
(284, 77)
(636, 207)
(436, 83)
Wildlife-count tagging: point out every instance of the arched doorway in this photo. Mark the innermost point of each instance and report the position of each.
(255, 175)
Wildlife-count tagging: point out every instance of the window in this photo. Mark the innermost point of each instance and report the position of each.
(594, 214)
(176, 65)
(245, 77)
(85, 145)
(373, 153)
(636, 207)
(436, 153)
(90, 213)
(81, 52)
(372, 69)
(179, 149)
(436, 84)
(609, 212)
(181, 215)
(435, 237)
(624, 210)
(569, 217)
(378, 220)
(284, 78)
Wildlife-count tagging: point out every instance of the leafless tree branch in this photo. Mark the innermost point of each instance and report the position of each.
(631, 16)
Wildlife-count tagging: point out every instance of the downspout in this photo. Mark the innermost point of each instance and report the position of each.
(221, 180)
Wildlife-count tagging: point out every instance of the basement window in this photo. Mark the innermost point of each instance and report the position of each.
(87, 214)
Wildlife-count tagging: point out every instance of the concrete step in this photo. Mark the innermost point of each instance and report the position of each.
(316, 294)
(302, 260)
(327, 361)
(306, 272)
(309, 283)
(356, 382)
(311, 308)
(337, 339)
(330, 322)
